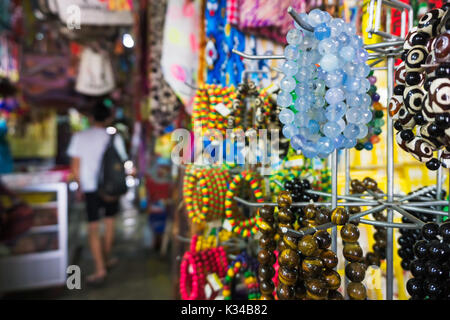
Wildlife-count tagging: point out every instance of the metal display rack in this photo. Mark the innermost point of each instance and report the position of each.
(388, 50)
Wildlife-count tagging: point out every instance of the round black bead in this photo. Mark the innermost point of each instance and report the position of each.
(421, 249)
(406, 264)
(444, 231)
(415, 287)
(434, 130)
(432, 288)
(305, 197)
(413, 78)
(433, 164)
(306, 184)
(407, 135)
(418, 269)
(398, 126)
(430, 230)
(438, 251)
(404, 241)
(443, 120)
(420, 119)
(420, 38)
(434, 270)
(428, 82)
(398, 89)
(288, 185)
(404, 253)
(443, 70)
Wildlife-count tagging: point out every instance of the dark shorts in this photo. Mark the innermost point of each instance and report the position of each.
(95, 204)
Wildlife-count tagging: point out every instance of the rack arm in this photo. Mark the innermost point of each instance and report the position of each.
(390, 224)
(408, 215)
(425, 210)
(328, 225)
(305, 25)
(256, 57)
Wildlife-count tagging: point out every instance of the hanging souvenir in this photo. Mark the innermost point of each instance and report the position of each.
(95, 75)
(180, 48)
(163, 102)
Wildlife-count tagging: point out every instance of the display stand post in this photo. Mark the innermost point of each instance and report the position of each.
(347, 191)
(334, 195)
(390, 187)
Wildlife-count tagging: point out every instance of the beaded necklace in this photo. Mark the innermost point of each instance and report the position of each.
(376, 124)
(323, 95)
(204, 112)
(380, 236)
(204, 193)
(195, 266)
(422, 90)
(409, 237)
(246, 265)
(352, 251)
(266, 270)
(288, 259)
(430, 269)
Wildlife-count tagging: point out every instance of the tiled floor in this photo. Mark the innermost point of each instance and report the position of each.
(140, 274)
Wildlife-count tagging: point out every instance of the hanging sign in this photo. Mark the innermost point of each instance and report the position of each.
(92, 12)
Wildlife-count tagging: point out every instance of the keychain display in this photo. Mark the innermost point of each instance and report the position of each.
(420, 105)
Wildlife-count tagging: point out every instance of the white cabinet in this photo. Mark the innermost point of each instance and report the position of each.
(39, 258)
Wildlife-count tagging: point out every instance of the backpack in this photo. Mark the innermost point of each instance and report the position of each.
(112, 176)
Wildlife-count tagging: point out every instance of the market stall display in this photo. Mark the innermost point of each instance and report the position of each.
(284, 114)
(329, 78)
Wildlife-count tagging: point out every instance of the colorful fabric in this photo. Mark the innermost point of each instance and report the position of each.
(268, 18)
(233, 12)
(223, 67)
(181, 48)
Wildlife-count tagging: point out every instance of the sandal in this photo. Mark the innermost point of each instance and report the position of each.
(96, 280)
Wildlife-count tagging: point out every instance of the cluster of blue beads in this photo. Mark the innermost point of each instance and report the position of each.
(326, 107)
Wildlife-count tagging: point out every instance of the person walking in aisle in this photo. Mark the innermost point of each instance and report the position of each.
(86, 150)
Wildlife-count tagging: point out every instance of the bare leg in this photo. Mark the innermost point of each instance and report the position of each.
(96, 250)
(109, 237)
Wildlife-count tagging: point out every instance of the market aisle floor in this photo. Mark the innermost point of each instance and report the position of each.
(140, 274)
